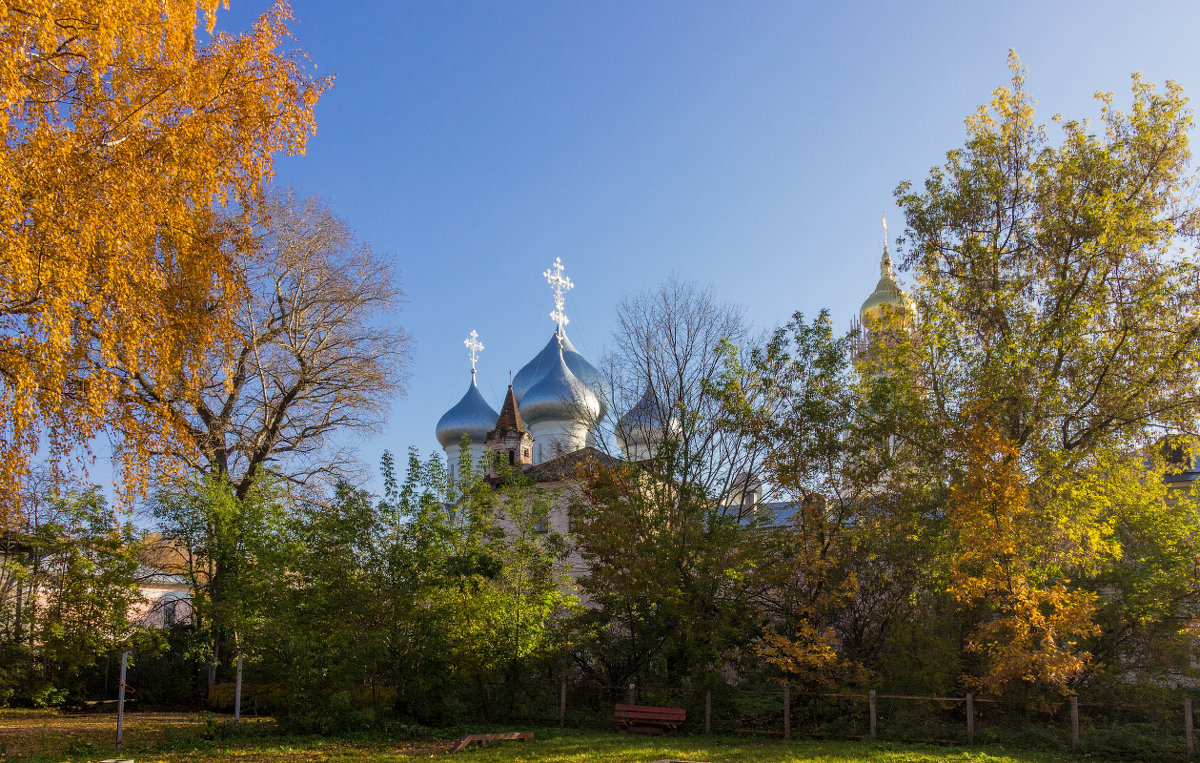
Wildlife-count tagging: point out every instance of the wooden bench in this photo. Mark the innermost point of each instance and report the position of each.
(483, 739)
(642, 719)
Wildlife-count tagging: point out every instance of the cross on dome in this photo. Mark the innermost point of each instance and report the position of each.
(885, 262)
(474, 345)
(559, 285)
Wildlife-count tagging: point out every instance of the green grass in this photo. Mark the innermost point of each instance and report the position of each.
(198, 740)
(584, 746)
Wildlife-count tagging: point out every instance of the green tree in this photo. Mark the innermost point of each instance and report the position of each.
(1058, 293)
(79, 576)
(853, 542)
(662, 556)
(474, 590)
(245, 538)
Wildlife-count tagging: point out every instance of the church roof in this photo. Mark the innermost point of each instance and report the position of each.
(568, 465)
(546, 362)
(510, 415)
(561, 396)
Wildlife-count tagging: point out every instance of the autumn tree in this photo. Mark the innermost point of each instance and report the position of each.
(1007, 561)
(1057, 288)
(127, 126)
(314, 356)
(847, 553)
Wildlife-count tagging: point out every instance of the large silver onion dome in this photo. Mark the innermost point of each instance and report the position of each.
(471, 416)
(546, 360)
(560, 395)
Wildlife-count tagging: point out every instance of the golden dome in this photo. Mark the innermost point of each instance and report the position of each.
(887, 292)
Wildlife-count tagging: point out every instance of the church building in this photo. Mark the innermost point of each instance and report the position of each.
(549, 419)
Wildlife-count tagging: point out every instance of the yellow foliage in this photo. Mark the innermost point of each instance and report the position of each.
(124, 135)
(809, 652)
(809, 656)
(1034, 626)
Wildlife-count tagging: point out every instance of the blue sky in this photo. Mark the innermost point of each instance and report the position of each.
(750, 146)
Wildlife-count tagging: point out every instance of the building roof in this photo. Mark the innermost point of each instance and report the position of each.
(510, 415)
(546, 361)
(569, 464)
(561, 396)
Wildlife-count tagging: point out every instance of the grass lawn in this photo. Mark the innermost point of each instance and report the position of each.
(45, 736)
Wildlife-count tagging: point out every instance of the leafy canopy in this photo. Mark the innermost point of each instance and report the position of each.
(124, 130)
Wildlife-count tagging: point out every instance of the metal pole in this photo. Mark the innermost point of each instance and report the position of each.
(787, 711)
(237, 694)
(121, 700)
(1187, 726)
(873, 716)
(708, 712)
(562, 704)
(1074, 724)
(970, 719)
(631, 695)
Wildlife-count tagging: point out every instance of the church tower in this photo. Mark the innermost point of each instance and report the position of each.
(886, 311)
(510, 441)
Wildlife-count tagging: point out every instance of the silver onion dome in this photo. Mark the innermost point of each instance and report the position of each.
(643, 417)
(643, 427)
(546, 360)
(560, 395)
(471, 416)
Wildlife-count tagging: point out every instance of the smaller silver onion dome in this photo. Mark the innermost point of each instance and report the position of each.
(471, 416)
(560, 396)
(545, 361)
(643, 417)
(642, 429)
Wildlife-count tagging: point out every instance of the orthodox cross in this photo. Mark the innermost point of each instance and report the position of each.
(474, 345)
(885, 263)
(560, 285)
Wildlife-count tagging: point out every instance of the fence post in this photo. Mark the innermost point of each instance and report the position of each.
(121, 700)
(1074, 724)
(1187, 726)
(237, 694)
(970, 719)
(631, 695)
(787, 711)
(872, 704)
(562, 704)
(708, 711)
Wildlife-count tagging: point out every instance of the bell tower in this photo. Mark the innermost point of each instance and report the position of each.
(510, 442)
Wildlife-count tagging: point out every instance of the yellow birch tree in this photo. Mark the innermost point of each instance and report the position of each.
(128, 125)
